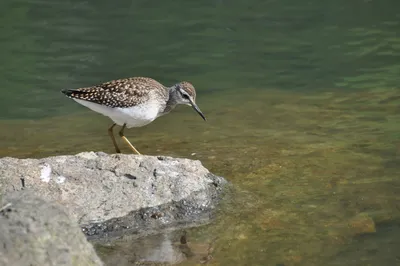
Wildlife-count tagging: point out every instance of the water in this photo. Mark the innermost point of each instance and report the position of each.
(302, 101)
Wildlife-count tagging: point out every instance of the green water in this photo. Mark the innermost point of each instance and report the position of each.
(302, 100)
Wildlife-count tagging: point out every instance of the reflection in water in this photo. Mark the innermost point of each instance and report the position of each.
(164, 252)
(167, 248)
(303, 114)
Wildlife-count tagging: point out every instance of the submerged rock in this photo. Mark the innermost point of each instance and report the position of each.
(110, 194)
(36, 232)
(362, 224)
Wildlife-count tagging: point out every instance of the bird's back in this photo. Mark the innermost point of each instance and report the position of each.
(123, 93)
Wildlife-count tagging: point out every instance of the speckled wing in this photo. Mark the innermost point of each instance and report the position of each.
(120, 93)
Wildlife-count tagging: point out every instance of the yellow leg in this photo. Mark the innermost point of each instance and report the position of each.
(121, 133)
(110, 132)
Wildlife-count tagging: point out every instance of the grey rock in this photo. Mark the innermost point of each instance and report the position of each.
(119, 192)
(36, 232)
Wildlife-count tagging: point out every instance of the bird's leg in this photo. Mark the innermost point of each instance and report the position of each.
(110, 132)
(121, 133)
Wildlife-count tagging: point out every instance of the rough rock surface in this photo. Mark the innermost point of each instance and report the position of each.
(107, 193)
(36, 232)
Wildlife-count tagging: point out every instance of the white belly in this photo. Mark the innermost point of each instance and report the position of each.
(136, 116)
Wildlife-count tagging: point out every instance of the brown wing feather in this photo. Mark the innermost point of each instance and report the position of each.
(119, 93)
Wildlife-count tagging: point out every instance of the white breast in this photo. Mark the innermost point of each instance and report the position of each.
(136, 116)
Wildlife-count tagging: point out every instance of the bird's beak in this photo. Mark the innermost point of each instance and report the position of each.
(197, 109)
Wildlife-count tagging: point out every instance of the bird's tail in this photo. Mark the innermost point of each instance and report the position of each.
(71, 93)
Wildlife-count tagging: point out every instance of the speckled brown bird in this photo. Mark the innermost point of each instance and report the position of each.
(134, 102)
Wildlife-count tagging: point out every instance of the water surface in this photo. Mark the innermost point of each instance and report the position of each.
(302, 101)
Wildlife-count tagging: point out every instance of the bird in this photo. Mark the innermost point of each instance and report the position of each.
(134, 102)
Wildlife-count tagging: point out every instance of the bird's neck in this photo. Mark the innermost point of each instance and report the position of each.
(172, 102)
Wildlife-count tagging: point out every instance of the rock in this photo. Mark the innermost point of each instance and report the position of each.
(107, 194)
(362, 224)
(36, 232)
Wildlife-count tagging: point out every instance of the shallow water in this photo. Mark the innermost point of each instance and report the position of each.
(302, 102)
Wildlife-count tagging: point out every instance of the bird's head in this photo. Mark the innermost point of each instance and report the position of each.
(186, 94)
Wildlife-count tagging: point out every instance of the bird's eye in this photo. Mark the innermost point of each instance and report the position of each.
(185, 96)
